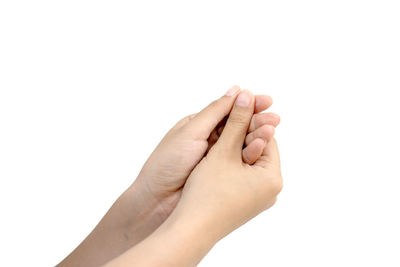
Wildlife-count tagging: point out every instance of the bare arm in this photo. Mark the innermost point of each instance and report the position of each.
(131, 219)
(178, 242)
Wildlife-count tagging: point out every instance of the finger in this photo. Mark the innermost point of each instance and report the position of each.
(270, 156)
(237, 124)
(262, 103)
(206, 120)
(212, 139)
(265, 132)
(253, 151)
(183, 121)
(220, 129)
(259, 120)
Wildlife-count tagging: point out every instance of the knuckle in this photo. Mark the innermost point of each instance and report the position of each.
(214, 104)
(191, 116)
(239, 119)
(269, 203)
(277, 185)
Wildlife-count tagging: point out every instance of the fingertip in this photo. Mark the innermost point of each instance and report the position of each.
(209, 117)
(253, 151)
(244, 99)
(261, 119)
(237, 125)
(232, 91)
(262, 102)
(265, 132)
(270, 154)
(277, 119)
(271, 132)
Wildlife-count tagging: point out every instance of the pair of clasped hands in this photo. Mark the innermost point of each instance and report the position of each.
(212, 172)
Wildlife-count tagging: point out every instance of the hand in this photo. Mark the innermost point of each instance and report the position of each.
(165, 172)
(156, 191)
(224, 192)
(221, 193)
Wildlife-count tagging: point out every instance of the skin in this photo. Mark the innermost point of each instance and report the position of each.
(150, 200)
(221, 193)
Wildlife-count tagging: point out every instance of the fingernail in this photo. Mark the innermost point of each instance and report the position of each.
(243, 100)
(232, 91)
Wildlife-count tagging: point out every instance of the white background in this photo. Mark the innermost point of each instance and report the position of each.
(88, 88)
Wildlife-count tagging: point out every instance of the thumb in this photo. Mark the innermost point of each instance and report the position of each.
(204, 122)
(236, 127)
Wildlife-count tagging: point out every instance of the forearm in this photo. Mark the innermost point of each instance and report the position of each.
(178, 242)
(132, 218)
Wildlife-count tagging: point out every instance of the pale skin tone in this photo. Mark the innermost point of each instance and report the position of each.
(167, 201)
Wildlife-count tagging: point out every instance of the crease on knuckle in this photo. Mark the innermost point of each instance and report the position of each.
(239, 120)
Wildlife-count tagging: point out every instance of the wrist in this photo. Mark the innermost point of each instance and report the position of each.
(177, 242)
(140, 213)
(198, 231)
